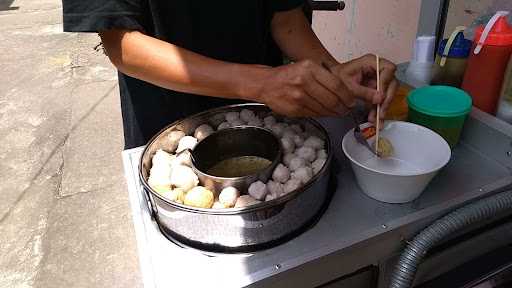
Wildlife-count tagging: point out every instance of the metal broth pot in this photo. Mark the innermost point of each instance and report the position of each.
(245, 229)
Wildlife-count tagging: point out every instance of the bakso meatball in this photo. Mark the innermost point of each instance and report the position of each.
(321, 154)
(314, 142)
(187, 142)
(203, 131)
(247, 115)
(278, 129)
(223, 125)
(281, 174)
(237, 122)
(269, 121)
(289, 133)
(175, 195)
(182, 158)
(162, 158)
(296, 163)
(183, 177)
(299, 141)
(199, 197)
(304, 174)
(385, 148)
(270, 197)
(288, 145)
(228, 196)
(218, 205)
(318, 164)
(287, 158)
(275, 189)
(291, 185)
(296, 128)
(232, 116)
(245, 200)
(307, 153)
(174, 138)
(258, 190)
(160, 178)
(255, 122)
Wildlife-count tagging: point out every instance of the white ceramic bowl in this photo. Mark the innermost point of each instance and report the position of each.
(419, 154)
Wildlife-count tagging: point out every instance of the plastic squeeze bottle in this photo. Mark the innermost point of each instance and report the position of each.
(488, 61)
(451, 59)
(505, 105)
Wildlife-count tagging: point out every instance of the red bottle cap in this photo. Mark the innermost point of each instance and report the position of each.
(500, 34)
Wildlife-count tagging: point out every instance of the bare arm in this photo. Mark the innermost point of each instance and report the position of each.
(169, 66)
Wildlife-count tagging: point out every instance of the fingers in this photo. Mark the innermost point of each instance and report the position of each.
(387, 74)
(325, 98)
(390, 94)
(334, 85)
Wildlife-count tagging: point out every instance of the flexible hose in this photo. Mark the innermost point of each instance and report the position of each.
(405, 270)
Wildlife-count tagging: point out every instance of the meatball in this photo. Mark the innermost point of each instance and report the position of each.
(307, 153)
(199, 197)
(291, 185)
(232, 116)
(275, 189)
(296, 163)
(183, 177)
(318, 165)
(247, 115)
(203, 131)
(314, 142)
(245, 200)
(278, 129)
(175, 195)
(321, 154)
(281, 174)
(287, 158)
(304, 174)
(223, 125)
(385, 148)
(258, 190)
(187, 142)
(296, 128)
(255, 122)
(269, 121)
(228, 196)
(288, 145)
(174, 138)
(299, 141)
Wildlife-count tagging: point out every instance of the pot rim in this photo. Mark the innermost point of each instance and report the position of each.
(242, 210)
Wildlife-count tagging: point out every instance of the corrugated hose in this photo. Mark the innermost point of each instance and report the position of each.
(405, 270)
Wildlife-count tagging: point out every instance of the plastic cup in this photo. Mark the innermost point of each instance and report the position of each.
(442, 109)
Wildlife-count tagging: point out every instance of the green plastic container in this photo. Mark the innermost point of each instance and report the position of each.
(442, 109)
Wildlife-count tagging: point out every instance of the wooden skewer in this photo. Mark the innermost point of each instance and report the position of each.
(377, 123)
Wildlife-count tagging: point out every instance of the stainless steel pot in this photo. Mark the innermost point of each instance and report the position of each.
(237, 229)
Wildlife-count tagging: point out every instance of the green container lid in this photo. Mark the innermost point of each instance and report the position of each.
(440, 101)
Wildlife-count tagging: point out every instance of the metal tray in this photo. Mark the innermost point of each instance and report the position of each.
(355, 231)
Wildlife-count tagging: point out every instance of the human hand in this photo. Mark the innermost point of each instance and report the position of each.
(360, 76)
(304, 89)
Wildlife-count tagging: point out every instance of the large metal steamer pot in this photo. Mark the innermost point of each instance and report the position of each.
(237, 229)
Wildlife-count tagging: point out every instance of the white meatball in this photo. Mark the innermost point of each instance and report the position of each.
(296, 163)
(218, 205)
(291, 185)
(237, 122)
(162, 158)
(296, 128)
(258, 190)
(321, 154)
(232, 116)
(269, 121)
(184, 177)
(245, 200)
(318, 165)
(288, 145)
(174, 138)
(299, 141)
(175, 195)
(223, 125)
(203, 131)
(287, 158)
(270, 197)
(255, 122)
(278, 129)
(304, 174)
(228, 196)
(314, 142)
(307, 153)
(275, 189)
(187, 142)
(160, 177)
(183, 158)
(281, 173)
(289, 133)
(247, 115)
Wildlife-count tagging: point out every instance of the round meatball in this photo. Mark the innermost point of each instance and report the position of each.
(218, 205)
(296, 128)
(237, 122)
(162, 158)
(247, 115)
(318, 165)
(314, 142)
(307, 153)
(299, 141)
(245, 201)
(291, 185)
(281, 174)
(258, 190)
(199, 197)
(175, 195)
(287, 158)
(183, 177)
(203, 131)
(278, 129)
(223, 125)
(304, 174)
(289, 133)
(174, 138)
(228, 196)
(269, 121)
(232, 116)
(288, 145)
(296, 163)
(385, 148)
(183, 158)
(321, 154)
(255, 122)
(270, 197)
(187, 142)
(275, 189)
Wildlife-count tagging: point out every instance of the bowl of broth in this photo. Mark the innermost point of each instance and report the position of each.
(236, 157)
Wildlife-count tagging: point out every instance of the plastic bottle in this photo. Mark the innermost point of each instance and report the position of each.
(505, 106)
(419, 71)
(451, 59)
(488, 61)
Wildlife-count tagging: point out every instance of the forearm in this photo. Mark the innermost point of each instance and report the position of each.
(169, 66)
(293, 34)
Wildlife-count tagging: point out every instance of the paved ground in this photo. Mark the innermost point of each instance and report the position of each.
(64, 213)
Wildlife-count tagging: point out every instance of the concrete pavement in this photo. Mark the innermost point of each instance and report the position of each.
(64, 213)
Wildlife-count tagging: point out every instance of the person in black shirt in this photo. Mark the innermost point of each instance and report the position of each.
(170, 54)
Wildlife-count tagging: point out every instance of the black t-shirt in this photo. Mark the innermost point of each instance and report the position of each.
(235, 31)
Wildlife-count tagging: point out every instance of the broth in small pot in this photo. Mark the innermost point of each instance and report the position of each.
(239, 166)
